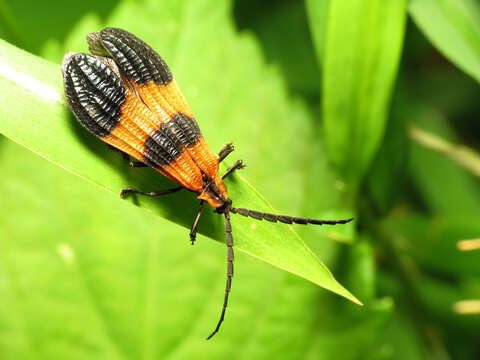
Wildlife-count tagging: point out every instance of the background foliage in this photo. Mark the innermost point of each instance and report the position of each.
(366, 107)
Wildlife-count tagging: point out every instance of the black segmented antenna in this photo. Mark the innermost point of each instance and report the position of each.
(285, 218)
(230, 257)
(258, 216)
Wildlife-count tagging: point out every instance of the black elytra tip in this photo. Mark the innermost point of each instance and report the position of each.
(136, 59)
(66, 60)
(94, 92)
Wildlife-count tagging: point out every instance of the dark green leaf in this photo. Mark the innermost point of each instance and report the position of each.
(106, 280)
(454, 28)
(387, 174)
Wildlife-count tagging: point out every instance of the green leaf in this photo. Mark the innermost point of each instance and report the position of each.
(453, 27)
(39, 120)
(359, 49)
(387, 174)
(87, 276)
(318, 12)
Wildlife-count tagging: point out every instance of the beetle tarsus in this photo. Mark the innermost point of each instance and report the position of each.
(193, 229)
(237, 166)
(227, 149)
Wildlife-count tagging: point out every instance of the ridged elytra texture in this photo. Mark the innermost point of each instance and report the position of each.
(162, 147)
(95, 94)
(185, 128)
(137, 59)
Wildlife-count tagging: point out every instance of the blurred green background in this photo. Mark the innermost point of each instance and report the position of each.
(364, 107)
